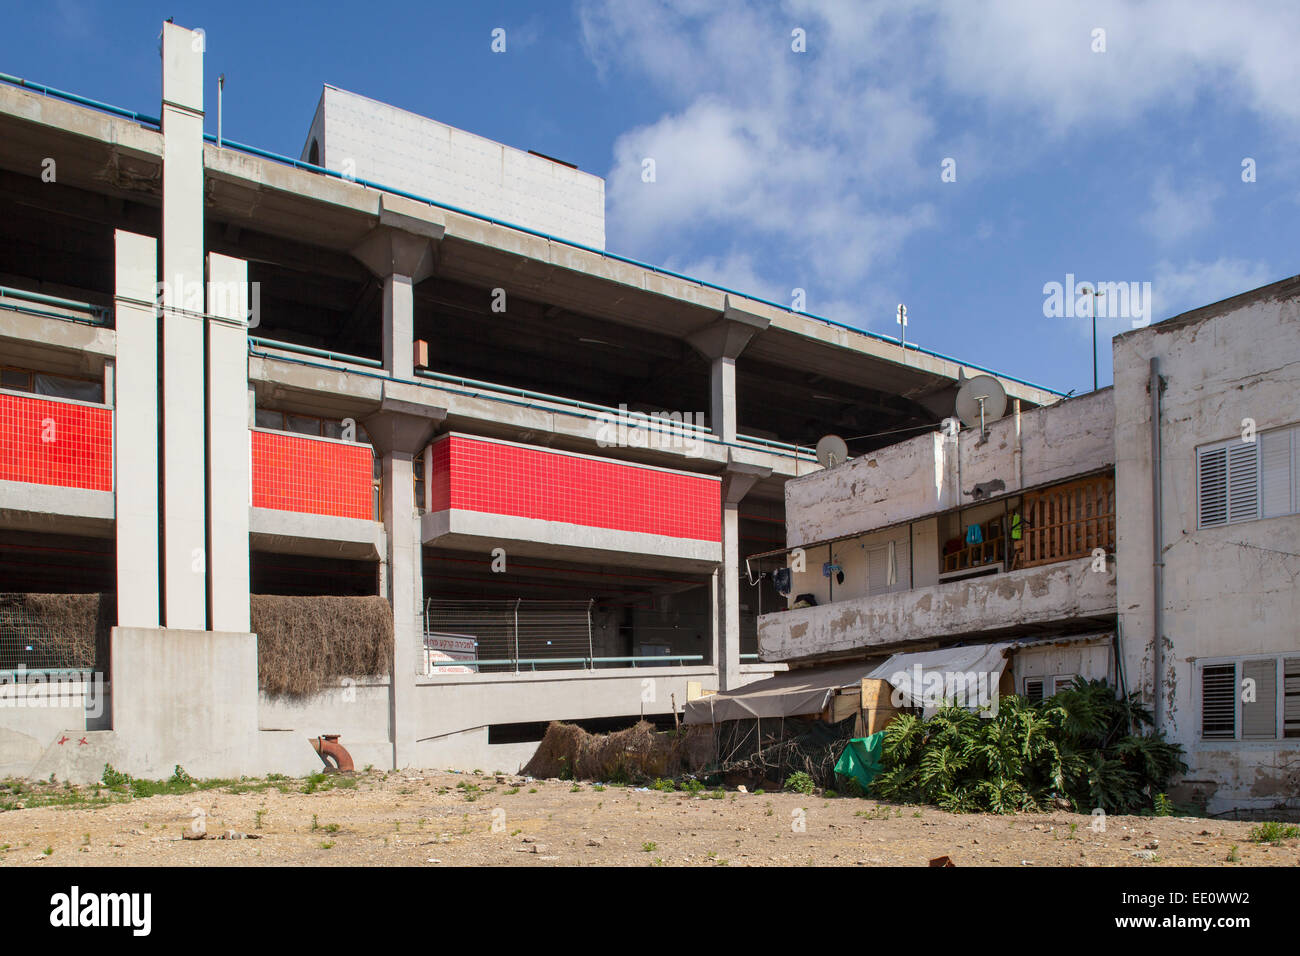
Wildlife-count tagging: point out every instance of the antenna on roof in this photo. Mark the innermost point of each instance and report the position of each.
(902, 324)
(981, 400)
(832, 451)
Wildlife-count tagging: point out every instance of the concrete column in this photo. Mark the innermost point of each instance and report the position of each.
(400, 430)
(427, 503)
(736, 483)
(722, 398)
(185, 557)
(399, 326)
(721, 342)
(406, 592)
(401, 251)
(228, 443)
(135, 419)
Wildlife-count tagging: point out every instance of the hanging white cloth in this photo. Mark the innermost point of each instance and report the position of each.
(891, 566)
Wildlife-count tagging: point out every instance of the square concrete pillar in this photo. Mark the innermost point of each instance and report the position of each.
(736, 483)
(185, 557)
(134, 395)
(399, 326)
(721, 342)
(400, 430)
(228, 443)
(722, 398)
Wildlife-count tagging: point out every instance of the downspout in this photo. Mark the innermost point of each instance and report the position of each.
(1017, 452)
(1157, 550)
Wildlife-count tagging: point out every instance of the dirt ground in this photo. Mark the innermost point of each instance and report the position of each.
(433, 818)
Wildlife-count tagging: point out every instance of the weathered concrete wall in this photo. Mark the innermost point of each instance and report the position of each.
(863, 560)
(184, 697)
(933, 473)
(1056, 592)
(1228, 590)
(455, 710)
(358, 711)
(32, 715)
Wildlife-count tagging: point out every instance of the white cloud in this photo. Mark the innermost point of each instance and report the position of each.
(778, 169)
(1176, 214)
(1191, 285)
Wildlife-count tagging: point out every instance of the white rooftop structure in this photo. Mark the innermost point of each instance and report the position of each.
(366, 139)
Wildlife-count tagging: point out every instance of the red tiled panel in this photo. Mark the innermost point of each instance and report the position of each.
(312, 476)
(56, 443)
(484, 476)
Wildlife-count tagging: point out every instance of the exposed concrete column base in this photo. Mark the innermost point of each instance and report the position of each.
(186, 698)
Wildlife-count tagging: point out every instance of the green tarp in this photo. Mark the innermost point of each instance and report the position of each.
(861, 759)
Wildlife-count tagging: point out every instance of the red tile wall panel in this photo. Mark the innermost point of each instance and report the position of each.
(495, 478)
(56, 443)
(312, 476)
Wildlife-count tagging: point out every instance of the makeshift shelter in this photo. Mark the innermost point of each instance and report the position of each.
(794, 693)
(796, 721)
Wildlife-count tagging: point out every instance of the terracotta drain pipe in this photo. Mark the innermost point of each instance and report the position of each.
(329, 749)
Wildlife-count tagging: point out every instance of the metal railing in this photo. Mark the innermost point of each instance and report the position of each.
(519, 635)
(20, 300)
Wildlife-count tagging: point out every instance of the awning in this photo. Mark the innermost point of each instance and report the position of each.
(969, 674)
(805, 691)
(808, 691)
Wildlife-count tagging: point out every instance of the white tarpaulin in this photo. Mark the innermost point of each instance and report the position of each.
(968, 676)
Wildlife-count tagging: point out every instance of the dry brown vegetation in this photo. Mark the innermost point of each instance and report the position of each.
(304, 643)
(65, 630)
(633, 754)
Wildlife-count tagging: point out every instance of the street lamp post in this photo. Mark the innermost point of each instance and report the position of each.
(1095, 296)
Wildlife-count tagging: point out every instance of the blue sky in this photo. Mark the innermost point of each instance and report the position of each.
(818, 170)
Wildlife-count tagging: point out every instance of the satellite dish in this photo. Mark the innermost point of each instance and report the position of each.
(832, 451)
(981, 400)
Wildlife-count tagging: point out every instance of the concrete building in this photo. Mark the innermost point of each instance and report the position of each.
(229, 374)
(1211, 628)
(1044, 532)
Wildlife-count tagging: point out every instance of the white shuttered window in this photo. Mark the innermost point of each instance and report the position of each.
(1242, 481)
(1253, 698)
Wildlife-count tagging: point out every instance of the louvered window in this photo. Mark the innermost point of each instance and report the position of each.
(1062, 683)
(1033, 689)
(1291, 696)
(1212, 486)
(1219, 702)
(1241, 481)
(1259, 699)
(1254, 698)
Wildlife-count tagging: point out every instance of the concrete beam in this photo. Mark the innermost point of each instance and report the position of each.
(52, 509)
(326, 536)
(729, 334)
(402, 427)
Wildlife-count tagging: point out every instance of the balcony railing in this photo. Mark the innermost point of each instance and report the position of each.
(322, 476)
(1067, 521)
(53, 441)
